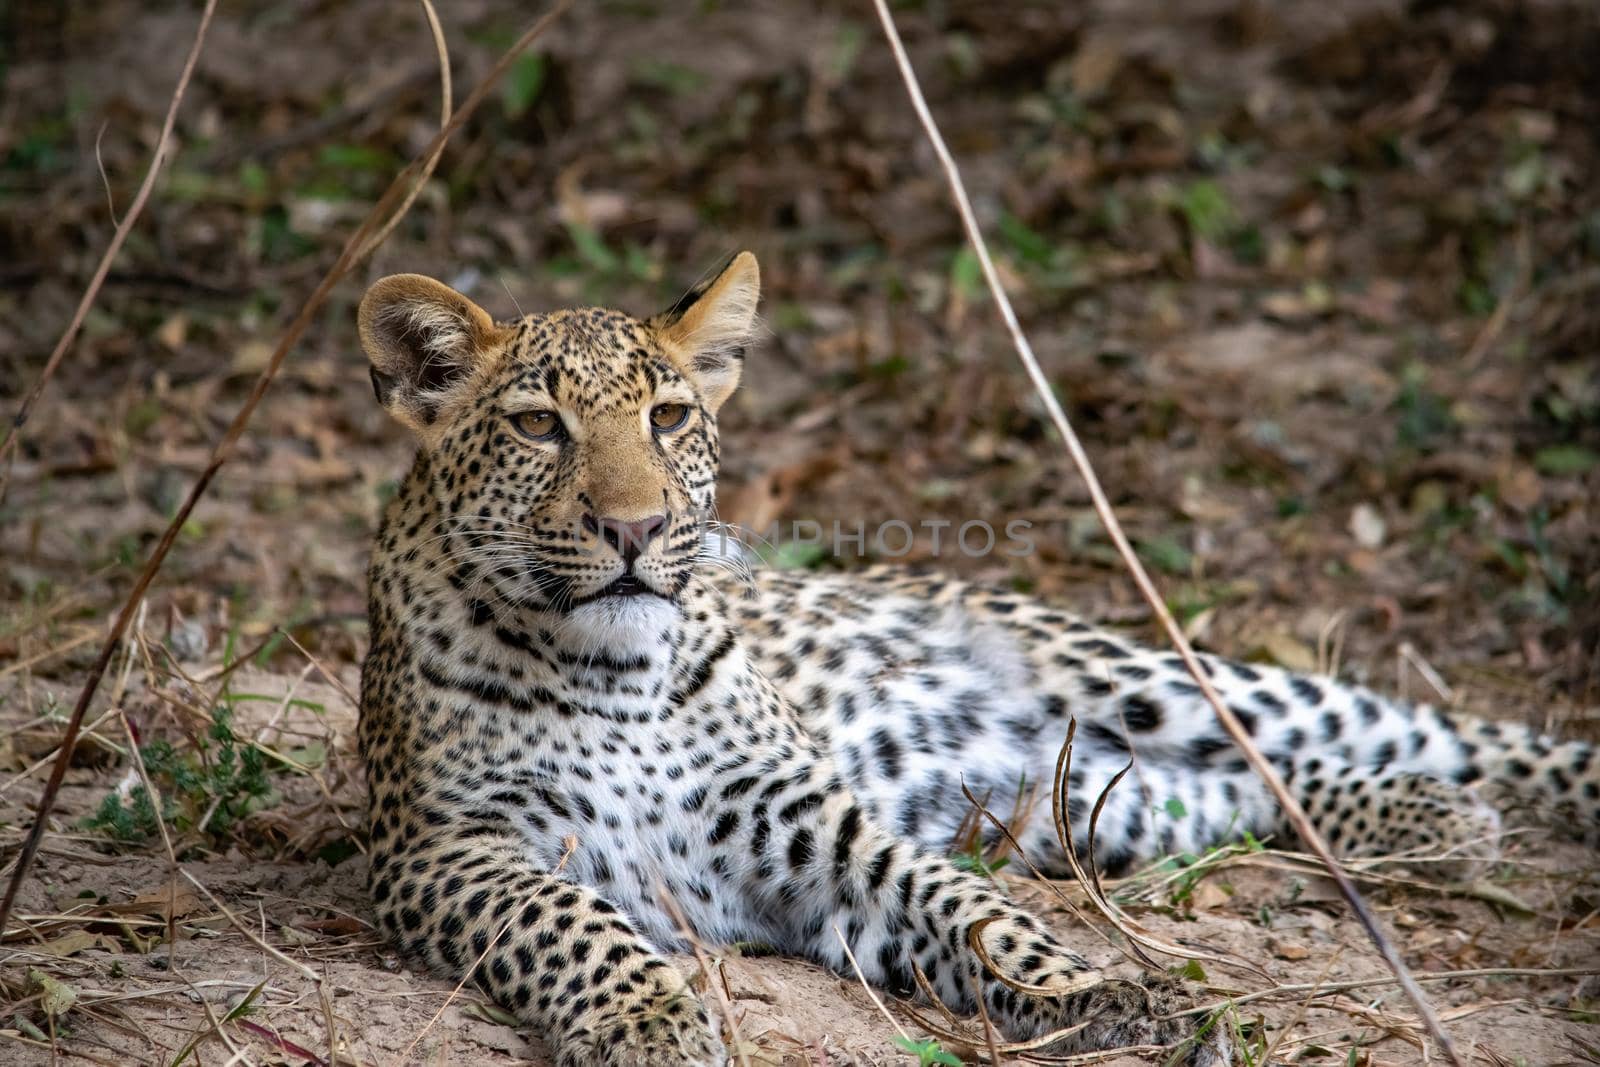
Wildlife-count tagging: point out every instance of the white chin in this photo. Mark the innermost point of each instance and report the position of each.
(623, 623)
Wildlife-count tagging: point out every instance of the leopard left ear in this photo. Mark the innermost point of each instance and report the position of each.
(705, 333)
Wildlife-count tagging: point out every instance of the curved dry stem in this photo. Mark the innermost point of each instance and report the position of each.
(1051, 883)
(1094, 825)
(932, 994)
(1102, 505)
(944, 1033)
(1089, 980)
(432, 161)
(990, 1040)
(1060, 795)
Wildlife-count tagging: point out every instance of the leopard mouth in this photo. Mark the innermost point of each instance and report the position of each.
(623, 587)
(627, 585)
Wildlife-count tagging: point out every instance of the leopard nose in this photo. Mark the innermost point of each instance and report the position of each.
(628, 538)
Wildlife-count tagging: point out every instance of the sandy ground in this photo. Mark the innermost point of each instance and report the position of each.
(1317, 282)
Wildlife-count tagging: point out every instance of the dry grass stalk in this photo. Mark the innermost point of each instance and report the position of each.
(397, 194)
(989, 1039)
(1300, 1012)
(866, 986)
(8, 447)
(702, 960)
(1102, 506)
(323, 995)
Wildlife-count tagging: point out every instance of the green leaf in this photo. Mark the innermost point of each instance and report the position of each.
(1191, 970)
(1565, 459)
(797, 555)
(1174, 807)
(1029, 245)
(1167, 554)
(966, 274)
(1206, 209)
(523, 84)
(354, 157)
(928, 1052)
(245, 1003)
(55, 996)
(592, 248)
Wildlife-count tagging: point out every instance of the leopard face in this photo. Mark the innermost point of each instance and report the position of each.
(571, 456)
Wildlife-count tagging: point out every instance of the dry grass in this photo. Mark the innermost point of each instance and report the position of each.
(1286, 264)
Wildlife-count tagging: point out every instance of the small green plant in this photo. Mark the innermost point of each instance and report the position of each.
(973, 860)
(1424, 417)
(205, 789)
(1185, 870)
(1207, 210)
(928, 1052)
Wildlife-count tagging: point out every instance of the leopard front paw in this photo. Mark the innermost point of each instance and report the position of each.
(1142, 1011)
(1016, 952)
(665, 1025)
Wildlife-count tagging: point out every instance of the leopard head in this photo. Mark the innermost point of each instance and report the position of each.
(572, 455)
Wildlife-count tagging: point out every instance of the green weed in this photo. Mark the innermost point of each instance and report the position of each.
(928, 1052)
(205, 789)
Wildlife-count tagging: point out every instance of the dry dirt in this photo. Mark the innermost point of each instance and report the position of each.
(1318, 283)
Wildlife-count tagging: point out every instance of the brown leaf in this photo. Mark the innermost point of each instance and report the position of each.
(160, 902)
(68, 944)
(1287, 951)
(1208, 895)
(760, 502)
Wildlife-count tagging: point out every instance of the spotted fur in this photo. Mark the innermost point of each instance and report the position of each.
(580, 733)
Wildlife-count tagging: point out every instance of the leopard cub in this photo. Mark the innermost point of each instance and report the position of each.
(580, 731)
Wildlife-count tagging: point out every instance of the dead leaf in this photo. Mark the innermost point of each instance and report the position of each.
(297, 937)
(69, 944)
(1519, 486)
(55, 996)
(250, 357)
(760, 502)
(1208, 895)
(160, 902)
(1095, 64)
(173, 332)
(1284, 649)
(1367, 526)
(1286, 950)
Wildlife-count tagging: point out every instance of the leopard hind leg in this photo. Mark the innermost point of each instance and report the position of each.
(1435, 827)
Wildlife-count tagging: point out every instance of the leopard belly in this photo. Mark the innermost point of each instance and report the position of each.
(933, 693)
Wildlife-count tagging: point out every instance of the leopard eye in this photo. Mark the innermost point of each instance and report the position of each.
(668, 417)
(538, 425)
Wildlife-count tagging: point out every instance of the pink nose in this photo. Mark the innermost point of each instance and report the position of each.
(628, 538)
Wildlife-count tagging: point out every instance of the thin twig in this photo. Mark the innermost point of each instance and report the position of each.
(348, 256)
(118, 237)
(1102, 506)
(1300, 1012)
(1325, 988)
(446, 102)
(249, 934)
(702, 960)
(851, 956)
(166, 840)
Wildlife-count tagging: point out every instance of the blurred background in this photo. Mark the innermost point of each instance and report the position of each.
(1319, 284)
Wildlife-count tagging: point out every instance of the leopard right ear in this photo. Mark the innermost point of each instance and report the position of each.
(425, 340)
